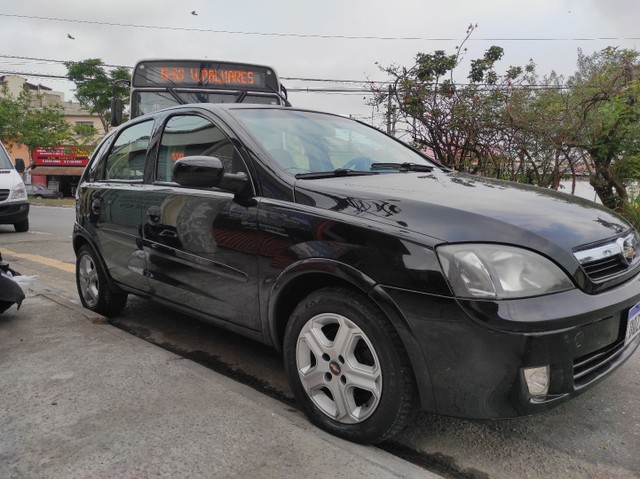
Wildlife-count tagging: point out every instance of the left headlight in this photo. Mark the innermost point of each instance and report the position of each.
(19, 192)
(500, 272)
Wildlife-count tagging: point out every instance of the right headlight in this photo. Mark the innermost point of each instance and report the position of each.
(19, 192)
(500, 272)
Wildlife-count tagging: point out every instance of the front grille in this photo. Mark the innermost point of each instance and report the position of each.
(603, 268)
(586, 368)
(608, 260)
(4, 194)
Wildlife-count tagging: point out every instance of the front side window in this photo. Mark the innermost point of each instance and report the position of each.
(128, 154)
(191, 135)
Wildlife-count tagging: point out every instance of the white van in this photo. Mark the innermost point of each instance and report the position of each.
(14, 202)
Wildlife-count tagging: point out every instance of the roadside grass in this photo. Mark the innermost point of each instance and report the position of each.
(64, 202)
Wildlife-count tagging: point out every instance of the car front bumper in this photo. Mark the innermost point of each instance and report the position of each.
(11, 213)
(475, 352)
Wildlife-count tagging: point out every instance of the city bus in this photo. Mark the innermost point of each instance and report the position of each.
(157, 84)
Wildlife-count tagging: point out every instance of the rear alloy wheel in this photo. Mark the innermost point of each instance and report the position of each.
(93, 285)
(347, 366)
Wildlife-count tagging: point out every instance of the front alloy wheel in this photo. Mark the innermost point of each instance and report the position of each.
(339, 368)
(347, 366)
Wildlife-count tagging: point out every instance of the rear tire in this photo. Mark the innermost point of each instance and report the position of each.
(348, 368)
(22, 227)
(4, 305)
(93, 285)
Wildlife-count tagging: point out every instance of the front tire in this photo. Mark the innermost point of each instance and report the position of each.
(93, 285)
(347, 366)
(22, 227)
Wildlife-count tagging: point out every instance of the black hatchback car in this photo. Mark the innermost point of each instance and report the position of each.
(388, 282)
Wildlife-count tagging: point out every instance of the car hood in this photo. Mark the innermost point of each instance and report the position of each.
(453, 207)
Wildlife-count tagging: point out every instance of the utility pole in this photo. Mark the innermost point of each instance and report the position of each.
(389, 111)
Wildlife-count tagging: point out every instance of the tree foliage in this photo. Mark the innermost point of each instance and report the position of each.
(518, 126)
(21, 123)
(96, 85)
(606, 101)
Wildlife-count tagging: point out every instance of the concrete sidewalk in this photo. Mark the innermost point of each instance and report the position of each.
(82, 399)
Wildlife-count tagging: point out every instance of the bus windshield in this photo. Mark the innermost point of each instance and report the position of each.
(150, 101)
(157, 84)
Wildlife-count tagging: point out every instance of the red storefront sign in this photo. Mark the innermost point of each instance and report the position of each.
(61, 156)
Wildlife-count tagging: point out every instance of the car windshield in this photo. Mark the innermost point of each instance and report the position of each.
(307, 142)
(5, 163)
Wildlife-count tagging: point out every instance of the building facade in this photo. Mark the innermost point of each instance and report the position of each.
(56, 168)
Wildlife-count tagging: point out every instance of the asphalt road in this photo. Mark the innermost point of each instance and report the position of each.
(596, 435)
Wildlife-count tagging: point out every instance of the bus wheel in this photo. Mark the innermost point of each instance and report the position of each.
(22, 227)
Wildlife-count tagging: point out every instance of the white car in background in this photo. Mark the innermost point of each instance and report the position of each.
(14, 202)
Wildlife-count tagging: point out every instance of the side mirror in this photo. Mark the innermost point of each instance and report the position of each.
(117, 108)
(207, 172)
(198, 171)
(20, 165)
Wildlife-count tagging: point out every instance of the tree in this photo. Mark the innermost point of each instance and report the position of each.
(522, 128)
(95, 86)
(21, 123)
(85, 135)
(606, 107)
(461, 125)
(10, 114)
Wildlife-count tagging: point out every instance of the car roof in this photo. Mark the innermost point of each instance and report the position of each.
(229, 107)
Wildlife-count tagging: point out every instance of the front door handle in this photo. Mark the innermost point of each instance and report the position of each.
(96, 204)
(153, 214)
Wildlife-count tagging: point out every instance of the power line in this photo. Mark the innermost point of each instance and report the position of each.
(329, 80)
(292, 89)
(38, 75)
(49, 60)
(341, 90)
(314, 35)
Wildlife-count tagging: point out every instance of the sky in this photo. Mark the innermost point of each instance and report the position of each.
(286, 35)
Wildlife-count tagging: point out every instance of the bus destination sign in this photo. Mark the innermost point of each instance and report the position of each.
(216, 75)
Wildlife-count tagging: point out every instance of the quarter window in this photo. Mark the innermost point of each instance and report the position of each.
(95, 170)
(127, 157)
(190, 135)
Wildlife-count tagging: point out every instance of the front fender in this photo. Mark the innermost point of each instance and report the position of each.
(344, 273)
(308, 266)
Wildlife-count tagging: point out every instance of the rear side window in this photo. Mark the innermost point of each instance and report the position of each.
(190, 135)
(128, 154)
(95, 170)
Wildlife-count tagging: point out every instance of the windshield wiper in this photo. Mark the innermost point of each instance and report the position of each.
(333, 174)
(401, 166)
(178, 98)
